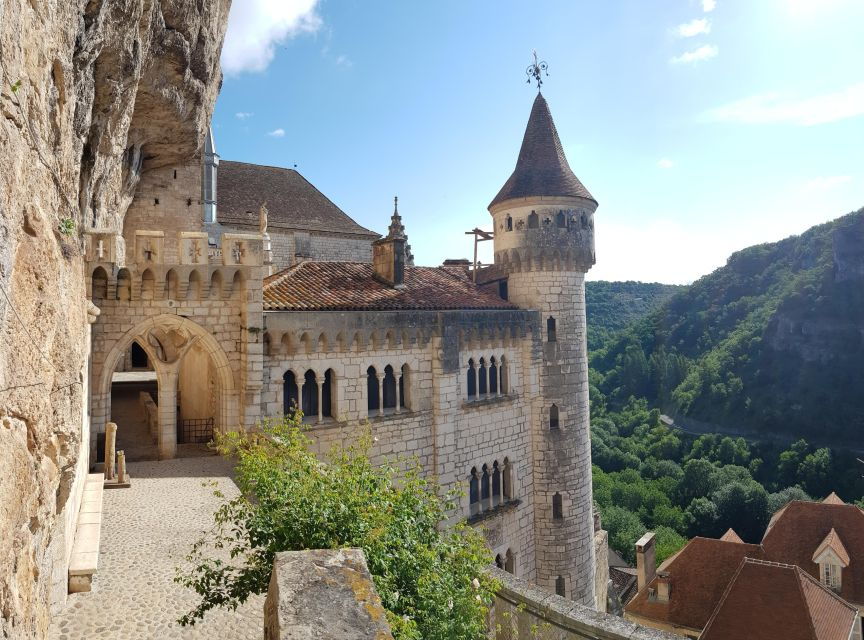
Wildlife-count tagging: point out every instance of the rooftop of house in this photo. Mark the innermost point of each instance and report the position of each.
(292, 201)
(351, 286)
(769, 600)
(699, 573)
(542, 168)
(800, 529)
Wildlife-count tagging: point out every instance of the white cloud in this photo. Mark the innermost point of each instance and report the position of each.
(705, 52)
(243, 115)
(344, 61)
(256, 27)
(772, 108)
(824, 183)
(693, 28)
(665, 163)
(709, 5)
(276, 133)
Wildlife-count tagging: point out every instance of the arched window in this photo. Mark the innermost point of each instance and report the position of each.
(504, 375)
(389, 388)
(124, 285)
(474, 492)
(147, 285)
(553, 417)
(327, 394)
(172, 284)
(551, 332)
(496, 484)
(557, 507)
(510, 562)
(289, 393)
(99, 284)
(193, 292)
(507, 479)
(472, 380)
(533, 221)
(560, 589)
(310, 395)
(483, 390)
(499, 562)
(493, 376)
(216, 285)
(405, 387)
(138, 356)
(484, 488)
(238, 286)
(372, 389)
(508, 223)
(561, 220)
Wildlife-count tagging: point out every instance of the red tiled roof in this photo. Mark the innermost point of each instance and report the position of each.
(292, 201)
(797, 530)
(542, 168)
(767, 601)
(833, 498)
(699, 574)
(731, 536)
(350, 286)
(832, 541)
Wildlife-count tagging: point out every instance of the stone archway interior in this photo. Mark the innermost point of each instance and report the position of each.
(197, 397)
(134, 398)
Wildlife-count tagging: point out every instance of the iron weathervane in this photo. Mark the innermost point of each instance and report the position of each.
(536, 70)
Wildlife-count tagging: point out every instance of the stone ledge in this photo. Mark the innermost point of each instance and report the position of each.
(85, 550)
(323, 594)
(504, 507)
(488, 401)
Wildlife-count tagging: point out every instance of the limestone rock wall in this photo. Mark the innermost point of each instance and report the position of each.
(92, 94)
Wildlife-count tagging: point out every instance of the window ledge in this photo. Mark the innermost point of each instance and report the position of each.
(487, 400)
(390, 414)
(509, 505)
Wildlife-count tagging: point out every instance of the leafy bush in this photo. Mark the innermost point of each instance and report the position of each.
(430, 577)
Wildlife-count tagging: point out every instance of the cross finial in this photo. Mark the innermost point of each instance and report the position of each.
(536, 70)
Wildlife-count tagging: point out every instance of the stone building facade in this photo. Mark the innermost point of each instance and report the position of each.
(250, 295)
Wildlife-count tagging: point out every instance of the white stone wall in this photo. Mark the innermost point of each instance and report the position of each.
(447, 434)
(322, 247)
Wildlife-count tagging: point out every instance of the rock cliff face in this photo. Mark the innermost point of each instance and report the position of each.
(92, 94)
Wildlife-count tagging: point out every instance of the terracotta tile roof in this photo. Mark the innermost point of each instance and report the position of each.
(767, 600)
(833, 498)
(624, 582)
(798, 530)
(542, 168)
(292, 201)
(832, 541)
(731, 536)
(350, 286)
(699, 574)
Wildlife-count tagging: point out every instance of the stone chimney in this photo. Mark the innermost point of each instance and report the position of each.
(664, 586)
(645, 560)
(389, 255)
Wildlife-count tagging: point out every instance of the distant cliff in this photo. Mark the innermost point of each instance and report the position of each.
(773, 341)
(92, 94)
(612, 306)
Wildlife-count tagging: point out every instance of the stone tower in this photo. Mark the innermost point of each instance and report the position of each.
(544, 240)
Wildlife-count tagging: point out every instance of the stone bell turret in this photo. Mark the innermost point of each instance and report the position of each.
(544, 240)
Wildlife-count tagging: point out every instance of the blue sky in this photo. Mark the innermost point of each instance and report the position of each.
(701, 126)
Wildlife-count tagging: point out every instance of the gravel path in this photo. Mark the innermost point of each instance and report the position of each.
(146, 532)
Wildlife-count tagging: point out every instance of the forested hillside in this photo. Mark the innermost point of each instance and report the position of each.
(612, 306)
(773, 342)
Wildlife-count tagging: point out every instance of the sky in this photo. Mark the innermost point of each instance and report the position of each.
(700, 126)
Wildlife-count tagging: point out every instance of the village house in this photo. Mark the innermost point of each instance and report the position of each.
(813, 551)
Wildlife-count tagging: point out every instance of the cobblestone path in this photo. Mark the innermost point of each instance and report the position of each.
(147, 530)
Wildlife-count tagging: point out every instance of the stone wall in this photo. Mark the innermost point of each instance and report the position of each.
(524, 612)
(103, 93)
(289, 247)
(446, 433)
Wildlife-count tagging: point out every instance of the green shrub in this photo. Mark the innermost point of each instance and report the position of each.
(430, 577)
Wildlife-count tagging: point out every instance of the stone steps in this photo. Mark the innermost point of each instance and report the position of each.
(85, 549)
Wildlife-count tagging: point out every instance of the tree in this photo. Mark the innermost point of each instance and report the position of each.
(667, 542)
(290, 500)
(815, 472)
(743, 507)
(701, 518)
(624, 529)
(697, 481)
(780, 499)
(790, 460)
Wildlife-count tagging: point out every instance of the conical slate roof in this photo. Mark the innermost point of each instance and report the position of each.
(542, 168)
